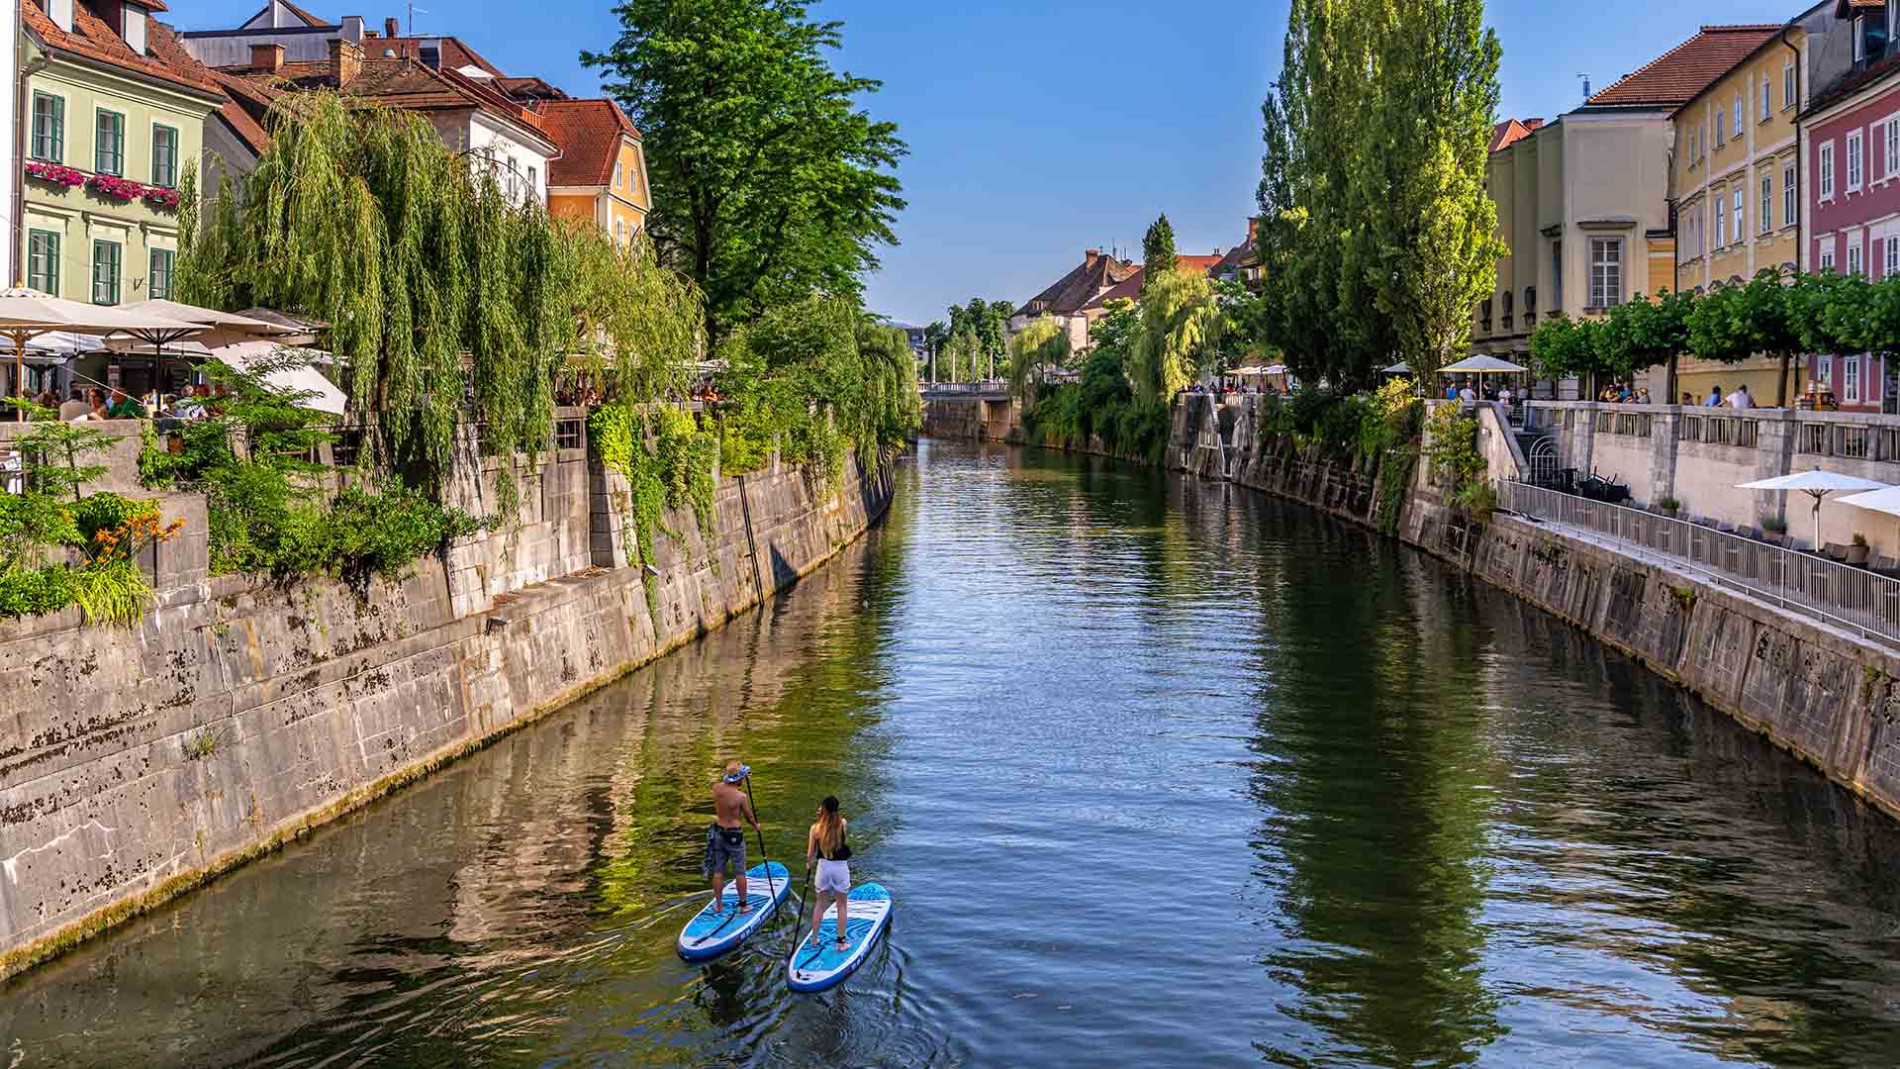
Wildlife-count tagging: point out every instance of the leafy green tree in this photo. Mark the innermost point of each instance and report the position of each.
(1734, 323)
(1180, 336)
(1157, 249)
(1644, 333)
(1035, 351)
(934, 336)
(1563, 348)
(770, 182)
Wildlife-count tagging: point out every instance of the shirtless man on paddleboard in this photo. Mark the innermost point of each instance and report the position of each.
(725, 837)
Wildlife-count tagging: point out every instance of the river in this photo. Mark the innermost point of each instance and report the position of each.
(1159, 772)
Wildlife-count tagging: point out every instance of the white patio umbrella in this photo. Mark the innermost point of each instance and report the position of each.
(1887, 501)
(218, 328)
(317, 392)
(26, 314)
(1480, 366)
(1400, 368)
(1817, 484)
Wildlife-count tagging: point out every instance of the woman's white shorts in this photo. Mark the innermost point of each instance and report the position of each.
(834, 876)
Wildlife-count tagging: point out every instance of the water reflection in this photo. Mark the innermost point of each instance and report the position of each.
(1161, 772)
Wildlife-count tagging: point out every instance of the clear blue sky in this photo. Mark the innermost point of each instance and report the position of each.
(1039, 128)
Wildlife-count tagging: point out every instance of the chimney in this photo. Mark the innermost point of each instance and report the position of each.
(1253, 229)
(392, 28)
(346, 60)
(267, 57)
(1089, 256)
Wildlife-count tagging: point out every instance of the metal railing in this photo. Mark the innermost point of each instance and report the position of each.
(1853, 598)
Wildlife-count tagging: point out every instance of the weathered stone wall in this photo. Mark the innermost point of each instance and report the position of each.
(973, 419)
(136, 763)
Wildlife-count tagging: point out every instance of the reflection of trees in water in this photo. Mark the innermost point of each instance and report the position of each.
(1371, 775)
(1713, 858)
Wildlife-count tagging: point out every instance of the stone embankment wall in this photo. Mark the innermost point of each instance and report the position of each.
(137, 763)
(1827, 696)
(973, 419)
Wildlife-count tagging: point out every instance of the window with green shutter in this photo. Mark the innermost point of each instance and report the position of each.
(164, 156)
(105, 272)
(42, 261)
(109, 146)
(49, 127)
(159, 283)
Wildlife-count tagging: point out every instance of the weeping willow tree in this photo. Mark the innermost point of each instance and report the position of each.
(1036, 350)
(1181, 329)
(445, 301)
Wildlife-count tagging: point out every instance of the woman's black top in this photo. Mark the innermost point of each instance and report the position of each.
(843, 853)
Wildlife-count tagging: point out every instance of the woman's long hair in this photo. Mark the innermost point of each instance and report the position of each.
(830, 826)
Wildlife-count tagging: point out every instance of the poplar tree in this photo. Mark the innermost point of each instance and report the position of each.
(1157, 250)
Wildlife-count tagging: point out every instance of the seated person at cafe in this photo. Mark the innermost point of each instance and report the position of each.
(124, 407)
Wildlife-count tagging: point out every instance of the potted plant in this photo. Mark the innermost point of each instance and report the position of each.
(1668, 506)
(1774, 529)
(1857, 553)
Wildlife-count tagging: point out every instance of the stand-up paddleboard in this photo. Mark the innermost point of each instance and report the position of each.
(720, 926)
(817, 966)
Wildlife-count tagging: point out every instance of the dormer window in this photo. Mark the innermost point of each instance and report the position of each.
(1870, 38)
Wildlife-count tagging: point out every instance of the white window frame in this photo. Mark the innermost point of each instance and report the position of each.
(1740, 222)
(1767, 99)
(1606, 291)
(1787, 85)
(1824, 371)
(1765, 215)
(1890, 147)
(1827, 259)
(1850, 379)
(1721, 126)
(1824, 186)
(1721, 219)
(1891, 248)
(1856, 161)
(1741, 109)
(1789, 210)
(1855, 265)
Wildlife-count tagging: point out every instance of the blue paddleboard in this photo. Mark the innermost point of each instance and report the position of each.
(817, 966)
(720, 926)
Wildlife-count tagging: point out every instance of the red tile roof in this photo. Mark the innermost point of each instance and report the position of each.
(1070, 292)
(399, 83)
(1511, 131)
(1678, 75)
(163, 41)
(92, 39)
(453, 51)
(589, 133)
(1129, 289)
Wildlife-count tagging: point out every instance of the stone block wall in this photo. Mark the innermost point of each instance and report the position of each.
(137, 763)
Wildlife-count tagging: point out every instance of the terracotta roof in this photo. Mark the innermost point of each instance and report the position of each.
(1129, 289)
(1245, 254)
(454, 53)
(163, 41)
(1075, 289)
(397, 83)
(589, 133)
(530, 89)
(1678, 75)
(307, 17)
(1511, 131)
(92, 39)
(1853, 82)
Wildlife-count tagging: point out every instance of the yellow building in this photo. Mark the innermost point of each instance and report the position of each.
(1736, 175)
(601, 174)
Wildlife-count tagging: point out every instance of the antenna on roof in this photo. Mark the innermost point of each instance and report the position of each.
(412, 17)
(1586, 85)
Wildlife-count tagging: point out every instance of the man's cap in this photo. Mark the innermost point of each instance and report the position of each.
(737, 772)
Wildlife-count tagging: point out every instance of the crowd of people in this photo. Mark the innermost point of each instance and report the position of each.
(101, 403)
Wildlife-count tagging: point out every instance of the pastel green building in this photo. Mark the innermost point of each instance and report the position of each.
(110, 128)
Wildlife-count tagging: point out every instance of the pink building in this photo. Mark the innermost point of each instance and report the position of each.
(1850, 135)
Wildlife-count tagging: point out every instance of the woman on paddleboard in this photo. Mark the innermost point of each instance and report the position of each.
(828, 845)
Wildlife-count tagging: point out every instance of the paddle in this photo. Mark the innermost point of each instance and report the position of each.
(771, 891)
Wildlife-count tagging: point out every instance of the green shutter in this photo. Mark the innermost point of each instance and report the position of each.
(109, 144)
(49, 127)
(164, 156)
(42, 261)
(159, 282)
(105, 272)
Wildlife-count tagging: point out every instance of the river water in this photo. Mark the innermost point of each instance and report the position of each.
(1160, 773)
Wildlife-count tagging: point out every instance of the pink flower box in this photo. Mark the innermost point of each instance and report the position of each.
(57, 174)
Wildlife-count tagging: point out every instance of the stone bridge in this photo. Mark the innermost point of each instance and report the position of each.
(971, 411)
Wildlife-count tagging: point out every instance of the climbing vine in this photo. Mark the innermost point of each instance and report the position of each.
(667, 461)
